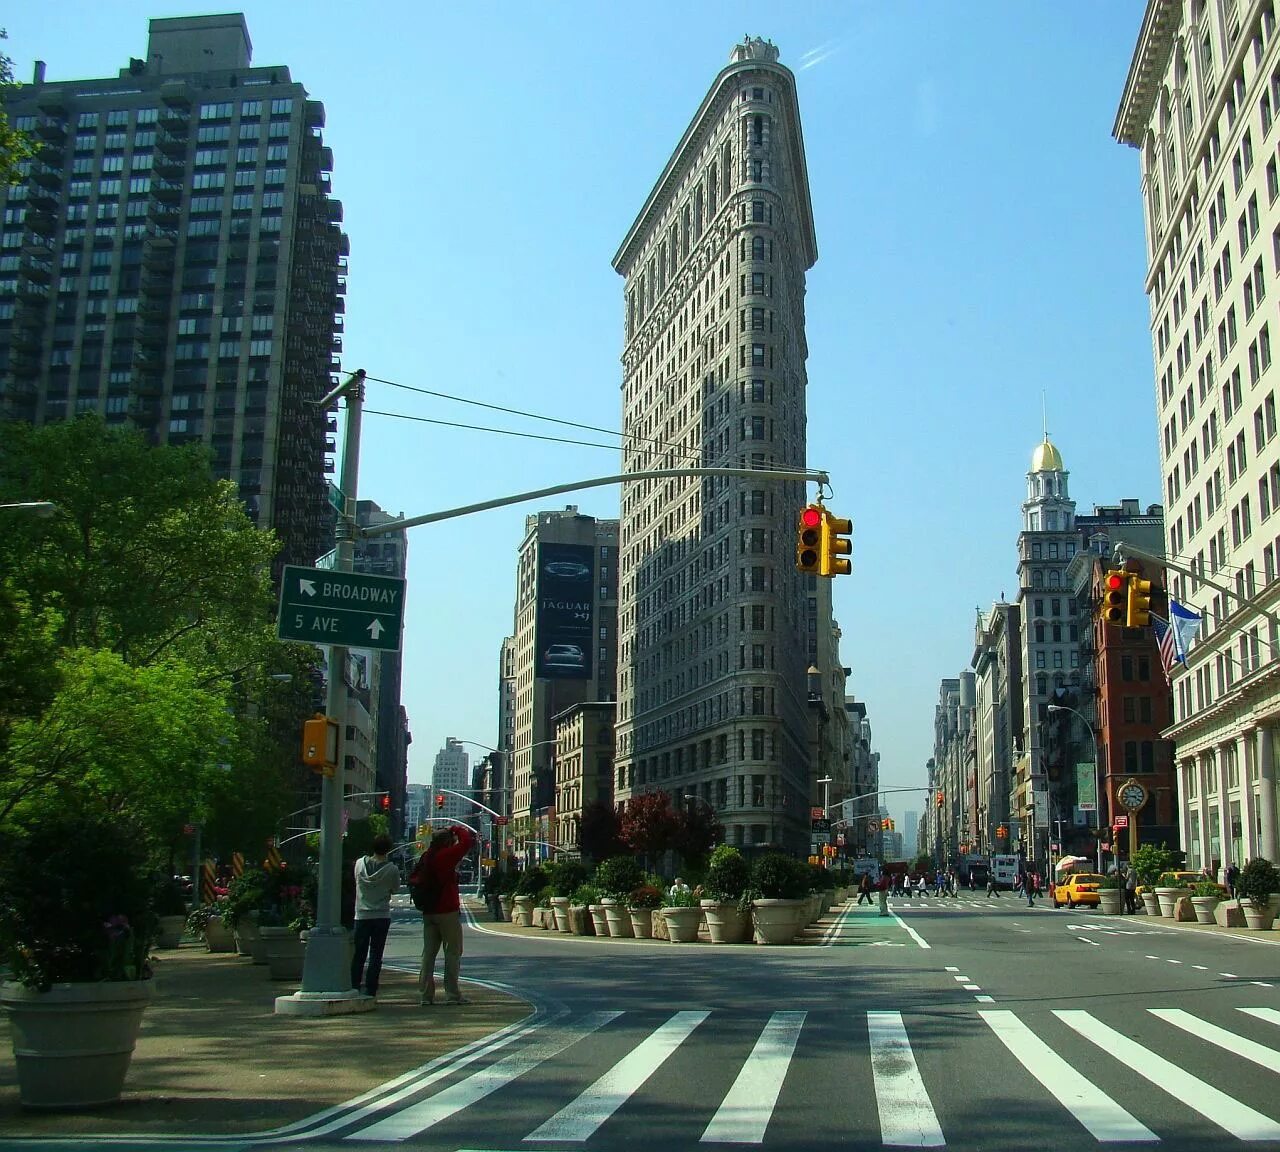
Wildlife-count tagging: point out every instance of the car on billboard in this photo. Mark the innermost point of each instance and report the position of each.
(567, 570)
(564, 656)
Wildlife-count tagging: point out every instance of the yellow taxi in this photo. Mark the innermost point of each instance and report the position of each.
(1076, 888)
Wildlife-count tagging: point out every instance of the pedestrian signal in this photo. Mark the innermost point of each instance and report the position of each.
(809, 540)
(1113, 606)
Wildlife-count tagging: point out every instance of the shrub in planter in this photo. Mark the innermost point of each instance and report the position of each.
(618, 876)
(531, 882)
(586, 895)
(779, 877)
(1149, 862)
(1258, 880)
(246, 893)
(1209, 888)
(728, 876)
(564, 876)
(645, 896)
(1110, 882)
(681, 899)
(819, 878)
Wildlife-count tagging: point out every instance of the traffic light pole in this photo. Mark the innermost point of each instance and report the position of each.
(326, 973)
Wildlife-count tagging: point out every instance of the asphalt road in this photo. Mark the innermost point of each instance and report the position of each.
(971, 1024)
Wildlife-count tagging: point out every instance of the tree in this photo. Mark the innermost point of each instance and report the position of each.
(923, 864)
(15, 146)
(599, 835)
(648, 824)
(696, 833)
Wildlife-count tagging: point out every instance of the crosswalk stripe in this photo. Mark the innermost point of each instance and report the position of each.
(1219, 1108)
(427, 1113)
(1103, 1117)
(907, 1118)
(744, 1113)
(1260, 1054)
(579, 1120)
(1270, 1015)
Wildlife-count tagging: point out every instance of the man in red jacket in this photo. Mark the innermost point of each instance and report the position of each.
(435, 876)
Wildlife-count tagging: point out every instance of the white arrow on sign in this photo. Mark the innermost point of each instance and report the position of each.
(376, 629)
(307, 586)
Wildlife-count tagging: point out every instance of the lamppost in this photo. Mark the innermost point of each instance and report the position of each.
(825, 781)
(1097, 792)
(39, 507)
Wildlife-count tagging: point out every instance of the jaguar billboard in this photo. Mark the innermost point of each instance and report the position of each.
(566, 594)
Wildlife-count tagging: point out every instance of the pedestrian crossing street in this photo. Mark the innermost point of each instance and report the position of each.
(963, 903)
(887, 1077)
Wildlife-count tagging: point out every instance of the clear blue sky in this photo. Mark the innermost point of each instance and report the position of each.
(980, 249)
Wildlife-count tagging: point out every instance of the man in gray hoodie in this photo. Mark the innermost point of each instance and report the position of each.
(376, 879)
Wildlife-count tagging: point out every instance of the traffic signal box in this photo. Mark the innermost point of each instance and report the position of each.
(1138, 609)
(439, 800)
(939, 799)
(809, 540)
(1115, 588)
(320, 744)
(835, 544)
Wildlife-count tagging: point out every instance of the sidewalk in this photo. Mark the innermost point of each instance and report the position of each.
(213, 1058)
(1266, 935)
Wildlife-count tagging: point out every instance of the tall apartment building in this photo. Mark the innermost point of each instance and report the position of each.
(451, 773)
(1200, 105)
(172, 258)
(713, 616)
(999, 734)
(387, 555)
(564, 650)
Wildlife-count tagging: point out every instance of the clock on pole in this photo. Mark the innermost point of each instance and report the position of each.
(1132, 796)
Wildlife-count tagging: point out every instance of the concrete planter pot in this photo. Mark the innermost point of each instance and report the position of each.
(218, 937)
(504, 902)
(726, 923)
(1150, 904)
(580, 920)
(1168, 898)
(619, 919)
(682, 924)
(642, 923)
(1258, 918)
(775, 921)
(72, 1044)
(1110, 901)
(600, 919)
(1205, 907)
(560, 907)
(522, 911)
(285, 950)
(171, 929)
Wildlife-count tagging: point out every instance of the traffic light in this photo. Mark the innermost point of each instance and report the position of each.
(835, 544)
(886, 823)
(320, 744)
(439, 800)
(1139, 607)
(809, 540)
(939, 798)
(386, 803)
(1112, 608)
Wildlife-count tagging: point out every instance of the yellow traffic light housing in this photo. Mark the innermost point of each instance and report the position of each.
(835, 544)
(320, 744)
(1113, 606)
(809, 540)
(1139, 606)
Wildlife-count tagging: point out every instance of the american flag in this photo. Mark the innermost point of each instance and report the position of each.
(1166, 642)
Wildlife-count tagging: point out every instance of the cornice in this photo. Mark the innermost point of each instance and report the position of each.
(1146, 70)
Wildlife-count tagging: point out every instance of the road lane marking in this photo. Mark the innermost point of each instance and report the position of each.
(1262, 984)
(581, 1118)
(911, 932)
(1260, 1054)
(907, 1118)
(1219, 1108)
(1200, 967)
(1085, 940)
(1229, 975)
(973, 987)
(1270, 1015)
(985, 999)
(1101, 1116)
(961, 979)
(949, 968)
(1174, 961)
(744, 1113)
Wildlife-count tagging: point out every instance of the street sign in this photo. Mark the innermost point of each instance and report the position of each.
(347, 608)
(817, 813)
(839, 839)
(1120, 821)
(820, 825)
(337, 498)
(500, 821)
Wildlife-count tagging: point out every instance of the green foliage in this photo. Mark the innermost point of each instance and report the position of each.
(532, 881)
(198, 918)
(246, 893)
(1258, 880)
(76, 897)
(1111, 881)
(728, 876)
(1209, 888)
(598, 833)
(645, 896)
(618, 876)
(696, 832)
(923, 864)
(819, 878)
(565, 875)
(680, 898)
(1149, 861)
(585, 894)
(779, 877)
(1170, 880)
(167, 897)
(15, 146)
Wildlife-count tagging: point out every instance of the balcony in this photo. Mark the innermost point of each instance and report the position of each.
(46, 174)
(176, 95)
(313, 114)
(143, 412)
(52, 129)
(170, 164)
(38, 220)
(27, 335)
(31, 290)
(37, 267)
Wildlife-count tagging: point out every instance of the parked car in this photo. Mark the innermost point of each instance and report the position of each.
(1076, 888)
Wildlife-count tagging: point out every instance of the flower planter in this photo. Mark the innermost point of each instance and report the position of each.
(218, 937)
(682, 924)
(599, 919)
(285, 950)
(774, 921)
(1169, 898)
(726, 923)
(1150, 904)
(560, 907)
(171, 928)
(1258, 918)
(246, 933)
(522, 911)
(619, 919)
(1110, 901)
(642, 923)
(1205, 907)
(504, 902)
(72, 1045)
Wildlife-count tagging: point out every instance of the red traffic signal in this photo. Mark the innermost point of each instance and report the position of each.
(439, 800)
(809, 539)
(386, 803)
(1114, 606)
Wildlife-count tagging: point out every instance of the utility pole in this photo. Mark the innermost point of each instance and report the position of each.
(326, 973)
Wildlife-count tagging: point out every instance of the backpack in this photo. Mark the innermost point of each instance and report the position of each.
(424, 886)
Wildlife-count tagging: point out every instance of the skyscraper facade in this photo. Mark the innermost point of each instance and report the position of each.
(713, 616)
(451, 773)
(1200, 105)
(172, 258)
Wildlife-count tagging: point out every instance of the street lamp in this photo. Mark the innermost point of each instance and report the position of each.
(39, 507)
(1097, 792)
(825, 781)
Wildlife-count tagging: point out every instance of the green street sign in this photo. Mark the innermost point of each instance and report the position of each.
(337, 499)
(345, 608)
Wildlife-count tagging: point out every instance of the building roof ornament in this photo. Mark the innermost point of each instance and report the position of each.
(1046, 458)
(1146, 70)
(754, 48)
